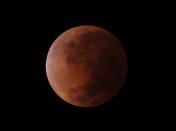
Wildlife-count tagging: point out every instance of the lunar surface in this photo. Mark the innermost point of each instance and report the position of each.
(86, 66)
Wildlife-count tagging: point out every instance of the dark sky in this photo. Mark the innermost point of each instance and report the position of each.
(27, 96)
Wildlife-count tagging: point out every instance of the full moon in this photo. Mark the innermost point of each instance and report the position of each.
(86, 66)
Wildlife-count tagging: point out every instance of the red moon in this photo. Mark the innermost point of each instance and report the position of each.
(86, 66)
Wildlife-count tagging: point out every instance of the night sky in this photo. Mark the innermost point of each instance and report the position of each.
(29, 99)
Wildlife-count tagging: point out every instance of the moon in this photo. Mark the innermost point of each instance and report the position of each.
(86, 66)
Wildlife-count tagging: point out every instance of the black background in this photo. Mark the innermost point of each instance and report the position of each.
(29, 29)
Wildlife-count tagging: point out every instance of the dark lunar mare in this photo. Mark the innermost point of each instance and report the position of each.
(102, 70)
